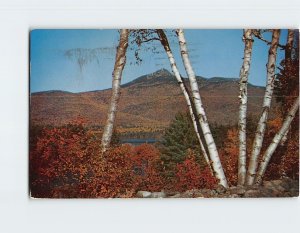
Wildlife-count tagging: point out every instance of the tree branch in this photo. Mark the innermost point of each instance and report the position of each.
(258, 35)
(151, 39)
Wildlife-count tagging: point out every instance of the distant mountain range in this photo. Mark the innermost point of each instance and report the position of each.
(147, 104)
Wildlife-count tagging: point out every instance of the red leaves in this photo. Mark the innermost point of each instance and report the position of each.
(190, 176)
(229, 156)
(61, 157)
(146, 162)
(66, 162)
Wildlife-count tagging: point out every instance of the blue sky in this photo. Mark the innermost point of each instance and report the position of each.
(213, 53)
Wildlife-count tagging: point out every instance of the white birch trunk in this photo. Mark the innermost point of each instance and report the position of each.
(272, 147)
(116, 83)
(288, 57)
(165, 44)
(212, 149)
(285, 137)
(247, 37)
(289, 44)
(261, 127)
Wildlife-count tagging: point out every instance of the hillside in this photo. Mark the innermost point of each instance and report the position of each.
(147, 103)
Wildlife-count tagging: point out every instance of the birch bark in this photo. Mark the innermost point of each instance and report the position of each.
(212, 149)
(288, 58)
(261, 127)
(289, 45)
(277, 138)
(116, 83)
(165, 43)
(247, 37)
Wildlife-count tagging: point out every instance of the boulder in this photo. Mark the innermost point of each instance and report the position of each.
(143, 194)
(158, 195)
(240, 190)
(208, 192)
(252, 193)
(234, 196)
(171, 193)
(176, 196)
(285, 187)
(221, 189)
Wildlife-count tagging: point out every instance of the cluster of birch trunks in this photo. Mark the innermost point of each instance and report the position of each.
(255, 171)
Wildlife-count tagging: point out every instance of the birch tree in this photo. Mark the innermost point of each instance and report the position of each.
(247, 37)
(212, 149)
(165, 43)
(261, 127)
(287, 61)
(289, 45)
(120, 61)
(277, 138)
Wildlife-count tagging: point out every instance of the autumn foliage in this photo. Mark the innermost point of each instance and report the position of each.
(66, 162)
(189, 175)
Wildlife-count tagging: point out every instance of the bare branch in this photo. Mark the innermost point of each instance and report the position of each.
(258, 35)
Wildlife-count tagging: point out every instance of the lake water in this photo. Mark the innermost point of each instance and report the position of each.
(136, 141)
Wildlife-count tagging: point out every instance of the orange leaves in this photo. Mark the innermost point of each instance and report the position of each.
(146, 164)
(59, 159)
(232, 142)
(66, 162)
(190, 176)
(229, 156)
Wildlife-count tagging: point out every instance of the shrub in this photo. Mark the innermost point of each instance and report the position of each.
(189, 175)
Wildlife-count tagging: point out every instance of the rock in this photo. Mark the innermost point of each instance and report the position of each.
(240, 190)
(234, 196)
(198, 194)
(252, 187)
(285, 187)
(293, 184)
(143, 194)
(252, 193)
(193, 193)
(213, 193)
(294, 192)
(267, 192)
(176, 196)
(158, 195)
(208, 192)
(274, 185)
(171, 193)
(221, 189)
(188, 194)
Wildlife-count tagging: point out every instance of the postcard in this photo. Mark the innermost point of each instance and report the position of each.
(164, 113)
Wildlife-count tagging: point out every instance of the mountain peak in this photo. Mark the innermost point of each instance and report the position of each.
(161, 72)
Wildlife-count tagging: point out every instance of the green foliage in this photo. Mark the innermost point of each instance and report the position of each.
(177, 140)
(180, 138)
